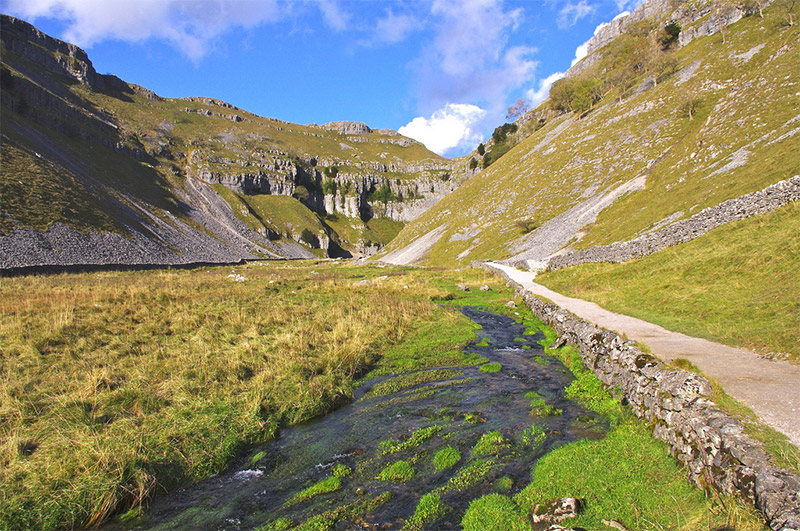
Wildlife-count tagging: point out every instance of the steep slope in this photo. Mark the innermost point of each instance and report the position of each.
(96, 170)
(636, 161)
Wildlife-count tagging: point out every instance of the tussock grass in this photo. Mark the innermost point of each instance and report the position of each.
(116, 385)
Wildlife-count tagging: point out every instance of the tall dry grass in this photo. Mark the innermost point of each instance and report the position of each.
(115, 385)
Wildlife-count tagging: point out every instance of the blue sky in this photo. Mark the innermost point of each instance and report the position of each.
(441, 71)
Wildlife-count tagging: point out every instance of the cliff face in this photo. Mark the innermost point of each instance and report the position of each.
(719, 122)
(88, 154)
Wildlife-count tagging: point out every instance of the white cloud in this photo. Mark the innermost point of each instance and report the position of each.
(572, 12)
(538, 95)
(469, 59)
(334, 17)
(394, 28)
(191, 26)
(448, 128)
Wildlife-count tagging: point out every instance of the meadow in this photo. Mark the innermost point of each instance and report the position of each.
(119, 386)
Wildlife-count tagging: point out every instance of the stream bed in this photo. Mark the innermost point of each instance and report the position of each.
(449, 434)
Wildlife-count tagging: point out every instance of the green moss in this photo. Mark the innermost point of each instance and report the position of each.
(495, 512)
(325, 486)
(446, 458)
(397, 472)
(491, 367)
(429, 509)
(541, 360)
(281, 524)
(467, 476)
(533, 436)
(473, 418)
(340, 470)
(257, 457)
(417, 437)
(404, 381)
(504, 484)
(490, 443)
(483, 342)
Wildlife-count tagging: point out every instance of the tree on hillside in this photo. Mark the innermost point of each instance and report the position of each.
(788, 9)
(669, 36)
(518, 110)
(690, 102)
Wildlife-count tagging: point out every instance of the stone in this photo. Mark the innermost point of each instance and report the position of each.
(557, 510)
(364, 282)
(511, 304)
(462, 287)
(485, 288)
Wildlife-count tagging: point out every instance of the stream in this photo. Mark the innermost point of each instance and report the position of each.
(331, 473)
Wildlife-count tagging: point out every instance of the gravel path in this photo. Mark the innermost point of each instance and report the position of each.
(770, 388)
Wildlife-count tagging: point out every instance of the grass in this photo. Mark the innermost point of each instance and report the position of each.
(417, 437)
(446, 458)
(491, 367)
(491, 443)
(429, 508)
(397, 472)
(569, 159)
(736, 284)
(324, 486)
(116, 385)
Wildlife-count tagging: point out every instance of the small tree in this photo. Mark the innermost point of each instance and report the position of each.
(308, 237)
(473, 163)
(518, 110)
(481, 149)
(670, 35)
(690, 103)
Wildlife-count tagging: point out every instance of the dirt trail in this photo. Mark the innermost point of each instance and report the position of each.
(770, 388)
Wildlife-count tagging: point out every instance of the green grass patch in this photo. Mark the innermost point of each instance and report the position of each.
(404, 381)
(397, 472)
(736, 284)
(325, 486)
(491, 367)
(417, 437)
(491, 443)
(446, 458)
(430, 508)
(496, 512)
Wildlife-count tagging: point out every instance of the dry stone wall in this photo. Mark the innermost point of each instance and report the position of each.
(677, 403)
(745, 206)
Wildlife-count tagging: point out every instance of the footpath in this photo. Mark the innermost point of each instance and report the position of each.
(770, 388)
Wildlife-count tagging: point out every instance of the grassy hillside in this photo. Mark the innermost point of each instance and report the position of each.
(97, 154)
(737, 284)
(741, 138)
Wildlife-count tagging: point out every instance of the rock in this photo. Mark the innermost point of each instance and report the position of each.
(364, 282)
(557, 510)
(485, 288)
(462, 287)
(511, 304)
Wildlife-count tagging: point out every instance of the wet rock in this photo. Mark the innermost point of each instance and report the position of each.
(557, 510)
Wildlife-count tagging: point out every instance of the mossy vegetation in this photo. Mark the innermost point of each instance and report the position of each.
(491, 443)
(494, 511)
(324, 486)
(429, 508)
(398, 472)
(446, 458)
(491, 367)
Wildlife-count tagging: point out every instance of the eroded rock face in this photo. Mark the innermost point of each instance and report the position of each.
(348, 128)
(713, 445)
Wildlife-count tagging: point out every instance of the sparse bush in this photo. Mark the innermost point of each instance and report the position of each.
(473, 163)
(481, 149)
(670, 35)
(309, 237)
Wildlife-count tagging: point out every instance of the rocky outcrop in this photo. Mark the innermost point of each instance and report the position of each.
(710, 443)
(745, 206)
(717, 16)
(348, 128)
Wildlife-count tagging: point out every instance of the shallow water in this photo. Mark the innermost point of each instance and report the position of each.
(254, 493)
